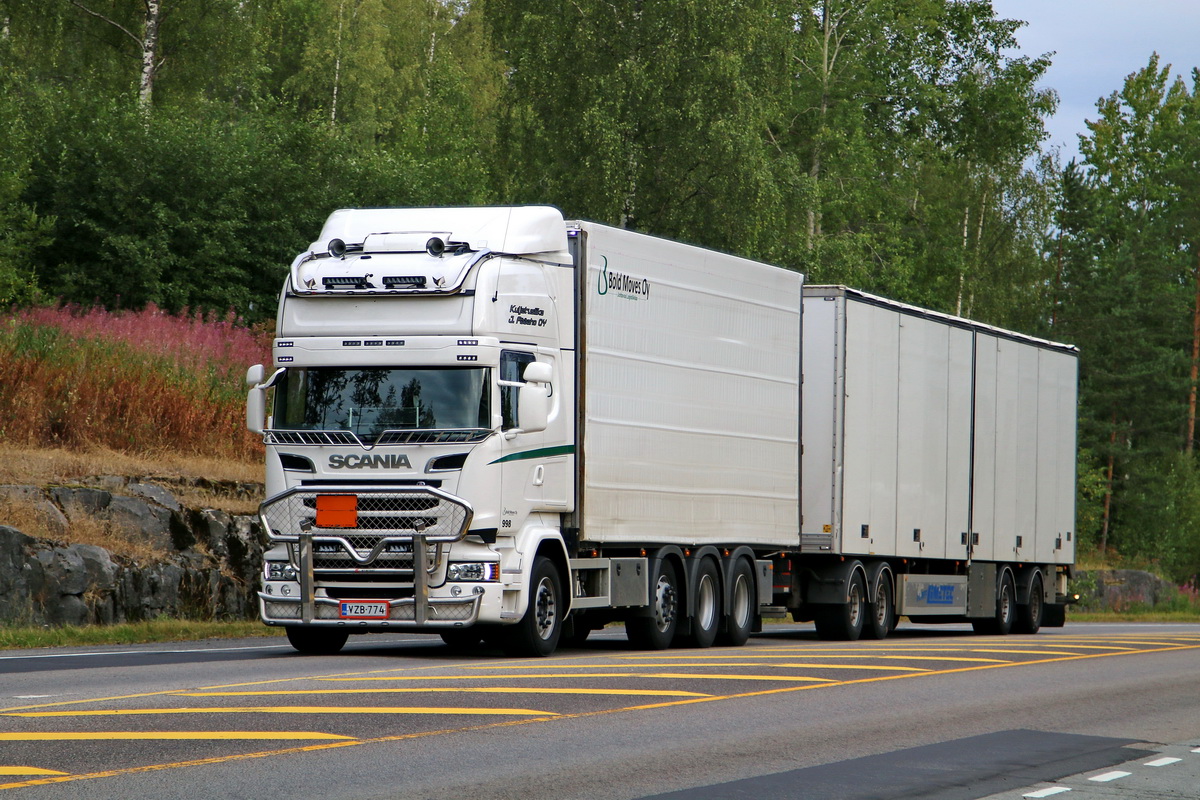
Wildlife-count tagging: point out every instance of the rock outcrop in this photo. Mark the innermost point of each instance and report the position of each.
(208, 568)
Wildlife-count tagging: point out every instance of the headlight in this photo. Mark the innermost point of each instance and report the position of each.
(486, 571)
(279, 571)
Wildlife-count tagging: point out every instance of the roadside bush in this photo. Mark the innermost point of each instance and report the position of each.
(141, 381)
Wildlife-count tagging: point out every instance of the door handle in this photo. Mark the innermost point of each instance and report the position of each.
(539, 474)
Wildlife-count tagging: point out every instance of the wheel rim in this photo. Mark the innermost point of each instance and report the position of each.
(664, 604)
(546, 605)
(855, 605)
(1006, 601)
(741, 601)
(706, 602)
(881, 606)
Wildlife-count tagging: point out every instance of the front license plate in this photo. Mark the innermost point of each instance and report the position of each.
(354, 610)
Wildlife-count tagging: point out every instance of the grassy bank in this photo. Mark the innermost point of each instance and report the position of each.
(159, 630)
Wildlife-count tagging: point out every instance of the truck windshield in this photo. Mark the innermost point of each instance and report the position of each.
(368, 402)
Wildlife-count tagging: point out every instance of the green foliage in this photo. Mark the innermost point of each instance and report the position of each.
(888, 144)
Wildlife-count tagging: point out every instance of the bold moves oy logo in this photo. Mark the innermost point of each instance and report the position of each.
(622, 285)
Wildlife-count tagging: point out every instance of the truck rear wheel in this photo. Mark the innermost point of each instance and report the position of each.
(1029, 616)
(741, 606)
(881, 619)
(656, 631)
(844, 621)
(316, 641)
(708, 605)
(538, 631)
(1006, 604)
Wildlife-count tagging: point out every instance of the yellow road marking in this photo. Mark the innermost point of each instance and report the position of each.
(530, 721)
(134, 712)
(457, 689)
(733, 676)
(29, 771)
(798, 665)
(102, 736)
(795, 653)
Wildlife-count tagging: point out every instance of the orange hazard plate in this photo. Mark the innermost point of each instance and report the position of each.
(337, 511)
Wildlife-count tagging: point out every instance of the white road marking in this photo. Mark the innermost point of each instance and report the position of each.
(1053, 790)
(1110, 776)
(1162, 762)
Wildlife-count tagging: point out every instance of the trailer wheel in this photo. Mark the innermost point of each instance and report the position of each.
(538, 631)
(316, 641)
(656, 631)
(1054, 615)
(881, 616)
(708, 606)
(741, 606)
(1029, 616)
(844, 621)
(1006, 604)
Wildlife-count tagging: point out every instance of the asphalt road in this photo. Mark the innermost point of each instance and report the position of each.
(1089, 711)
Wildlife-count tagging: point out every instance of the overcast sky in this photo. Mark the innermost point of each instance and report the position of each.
(1097, 43)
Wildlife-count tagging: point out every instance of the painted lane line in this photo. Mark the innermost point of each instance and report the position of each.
(236, 757)
(29, 771)
(1197, 750)
(136, 712)
(455, 689)
(712, 676)
(129, 653)
(1162, 762)
(1110, 776)
(104, 736)
(756, 655)
(799, 665)
(1053, 790)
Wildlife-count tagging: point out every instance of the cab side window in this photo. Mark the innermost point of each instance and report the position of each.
(512, 364)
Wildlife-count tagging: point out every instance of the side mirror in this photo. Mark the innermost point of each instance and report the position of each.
(256, 400)
(534, 407)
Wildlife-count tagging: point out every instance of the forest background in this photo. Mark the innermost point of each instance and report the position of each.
(176, 154)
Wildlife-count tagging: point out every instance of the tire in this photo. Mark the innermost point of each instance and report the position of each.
(576, 632)
(538, 632)
(844, 621)
(741, 606)
(1029, 616)
(316, 641)
(461, 638)
(1006, 604)
(707, 619)
(881, 614)
(1054, 615)
(655, 632)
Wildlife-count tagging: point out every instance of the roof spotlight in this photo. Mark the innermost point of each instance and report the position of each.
(435, 247)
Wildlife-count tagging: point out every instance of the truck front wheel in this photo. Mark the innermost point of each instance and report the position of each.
(316, 641)
(538, 631)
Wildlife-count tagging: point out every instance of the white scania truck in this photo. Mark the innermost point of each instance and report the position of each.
(499, 426)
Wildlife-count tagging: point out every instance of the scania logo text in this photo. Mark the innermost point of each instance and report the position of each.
(352, 461)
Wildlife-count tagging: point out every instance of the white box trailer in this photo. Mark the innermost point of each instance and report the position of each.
(938, 449)
(499, 426)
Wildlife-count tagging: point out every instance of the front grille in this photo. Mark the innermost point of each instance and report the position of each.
(384, 520)
(449, 436)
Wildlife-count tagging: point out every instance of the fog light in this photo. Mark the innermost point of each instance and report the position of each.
(456, 590)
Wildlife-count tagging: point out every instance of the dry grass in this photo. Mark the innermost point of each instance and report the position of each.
(42, 466)
(177, 473)
(25, 516)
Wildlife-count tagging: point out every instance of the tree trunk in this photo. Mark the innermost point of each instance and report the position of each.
(150, 60)
(1108, 485)
(1191, 423)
